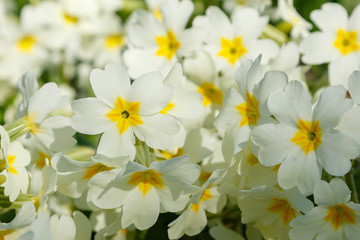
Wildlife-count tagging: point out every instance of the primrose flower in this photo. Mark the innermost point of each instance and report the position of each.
(231, 42)
(193, 220)
(335, 217)
(299, 26)
(306, 140)
(158, 45)
(122, 111)
(73, 176)
(54, 132)
(145, 192)
(243, 111)
(272, 210)
(46, 227)
(337, 43)
(13, 160)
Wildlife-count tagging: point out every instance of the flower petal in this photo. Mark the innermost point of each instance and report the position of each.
(110, 83)
(330, 17)
(274, 143)
(90, 116)
(331, 107)
(335, 151)
(150, 91)
(291, 105)
(157, 130)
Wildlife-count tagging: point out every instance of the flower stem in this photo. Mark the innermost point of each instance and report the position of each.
(350, 181)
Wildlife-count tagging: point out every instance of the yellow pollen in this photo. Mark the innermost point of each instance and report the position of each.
(339, 214)
(172, 154)
(276, 167)
(33, 126)
(282, 207)
(95, 169)
(206, 195)
(346, 42)
(113, 41)
(232, 50)
(168, 45)
(70, 20)
(249, 110)
(167, 108)
(210, 93)
(309, 136)
(146, 179)
(26, 44)
(252, 159)
(11, 160)
(3, 233)
(41, 161)
(125, 114)
(204, 176)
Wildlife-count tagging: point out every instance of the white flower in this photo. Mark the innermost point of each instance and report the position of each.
(193, 220)
(145, 192)
(299, 26)
(231, 42)
(158, 45)
(73, 176)
(337, 43)
(59, 228)
(13, 160)
(121, 110)
(54, 132)
(272, 210)
(306, 140)
(243, 111)
(335, 217)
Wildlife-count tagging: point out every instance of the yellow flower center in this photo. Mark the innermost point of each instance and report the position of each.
(249, 110)
(3, 233)
(232, 50)
(26, 43)
(33, 126)
(346, 42)
(70, 20)
(125, 114)
(339, 214)
(168, 45)
(95, 169)
(11, 160)
(282, 207)
(41, 161)
(309, 136)
(210, 94)
(167, 154)
(146, 180)
(252, 159)
(166, 109)
(206, 195)
(113, 41)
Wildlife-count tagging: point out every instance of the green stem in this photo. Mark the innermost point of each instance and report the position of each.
(350, 181)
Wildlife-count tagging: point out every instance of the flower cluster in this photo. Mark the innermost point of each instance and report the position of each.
(125, 122)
